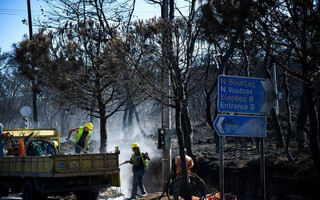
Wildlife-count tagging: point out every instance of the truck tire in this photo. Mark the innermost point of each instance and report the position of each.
(4, 191)
(87, 195)
(29, 192)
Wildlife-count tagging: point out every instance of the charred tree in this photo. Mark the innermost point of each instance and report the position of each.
(289, 120)
(293, 26)
(178, 118)
(302, 139)
(186, 127)
(266, 66)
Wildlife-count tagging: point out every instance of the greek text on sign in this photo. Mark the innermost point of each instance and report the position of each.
(238, 94)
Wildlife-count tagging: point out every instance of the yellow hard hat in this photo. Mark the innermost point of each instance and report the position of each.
(135, 145)
(89, 125)
(55, 144)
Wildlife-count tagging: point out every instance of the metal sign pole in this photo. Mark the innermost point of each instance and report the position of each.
(221, 167)
(243, 95)
(263, 170)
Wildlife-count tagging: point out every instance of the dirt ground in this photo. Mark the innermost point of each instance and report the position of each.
(285, 179)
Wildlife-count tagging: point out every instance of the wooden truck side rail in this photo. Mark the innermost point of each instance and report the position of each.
(61, 166)
(41, 176)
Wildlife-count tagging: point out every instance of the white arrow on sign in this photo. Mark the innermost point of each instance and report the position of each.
(240, 125)
(219, 124)
(270, 96)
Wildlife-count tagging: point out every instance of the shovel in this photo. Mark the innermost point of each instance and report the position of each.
(85, 151)
(125, 162)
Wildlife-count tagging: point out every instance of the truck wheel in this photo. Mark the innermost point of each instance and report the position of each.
(28, 192)
(87, 195)
(94, 195)
(4, 192)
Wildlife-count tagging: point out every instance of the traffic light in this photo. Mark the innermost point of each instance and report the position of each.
(161, 138)
(24, 123)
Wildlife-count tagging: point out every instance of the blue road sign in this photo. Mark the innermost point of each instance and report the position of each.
(238, 94)
(240, 125)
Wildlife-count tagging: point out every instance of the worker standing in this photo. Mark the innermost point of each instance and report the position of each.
(139, 165)
(82, 137)
(178, 178)
(1, 143)
(2, 135)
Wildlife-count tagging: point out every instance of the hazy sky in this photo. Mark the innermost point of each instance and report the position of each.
(12, 12)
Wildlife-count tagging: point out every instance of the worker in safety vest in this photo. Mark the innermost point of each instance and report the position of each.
(139, 165)
(82, 136)
(178, 178)
(2, 135)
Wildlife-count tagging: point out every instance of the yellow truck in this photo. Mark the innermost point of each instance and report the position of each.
(55, 174)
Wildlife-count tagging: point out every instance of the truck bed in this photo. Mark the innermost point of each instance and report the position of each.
(55, 174)
(61, 166)
(83, 174)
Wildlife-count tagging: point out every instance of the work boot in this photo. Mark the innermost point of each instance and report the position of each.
(144, 194)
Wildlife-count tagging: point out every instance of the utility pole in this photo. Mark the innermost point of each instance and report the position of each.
(33, 81)
(86, 52)
(166, 110)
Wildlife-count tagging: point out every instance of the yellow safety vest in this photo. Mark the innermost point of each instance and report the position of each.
(145, 163)
(77, 136)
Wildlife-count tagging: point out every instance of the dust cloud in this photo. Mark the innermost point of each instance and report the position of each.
(152, 177)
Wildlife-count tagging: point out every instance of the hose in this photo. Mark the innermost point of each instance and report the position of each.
(192, 176)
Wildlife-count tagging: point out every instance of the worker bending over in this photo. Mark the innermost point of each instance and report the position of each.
(82, 137)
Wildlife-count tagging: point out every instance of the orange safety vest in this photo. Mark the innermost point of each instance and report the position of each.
(189, 163)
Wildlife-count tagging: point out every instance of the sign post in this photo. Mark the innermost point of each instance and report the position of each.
(243, 95)
(25, 111)
(221, 168)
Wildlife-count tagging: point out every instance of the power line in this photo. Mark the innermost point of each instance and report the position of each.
(12, 14)
(18, 10)
(4, 11)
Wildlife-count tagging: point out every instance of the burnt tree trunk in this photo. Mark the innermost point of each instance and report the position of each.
(246, 66)
(314, 123)
(124, 120)
(138, 122)
(307, 65)
(130, 117)
(185, 116)
(186, 127)
(223, 69)
(103, 130)
(302, 140)
(63, 123)
(287, 90)
(281, 142)
(276, 123)
(185, 183)
(131, 110)
(208, 92)
(209, 115)
(127, 120)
